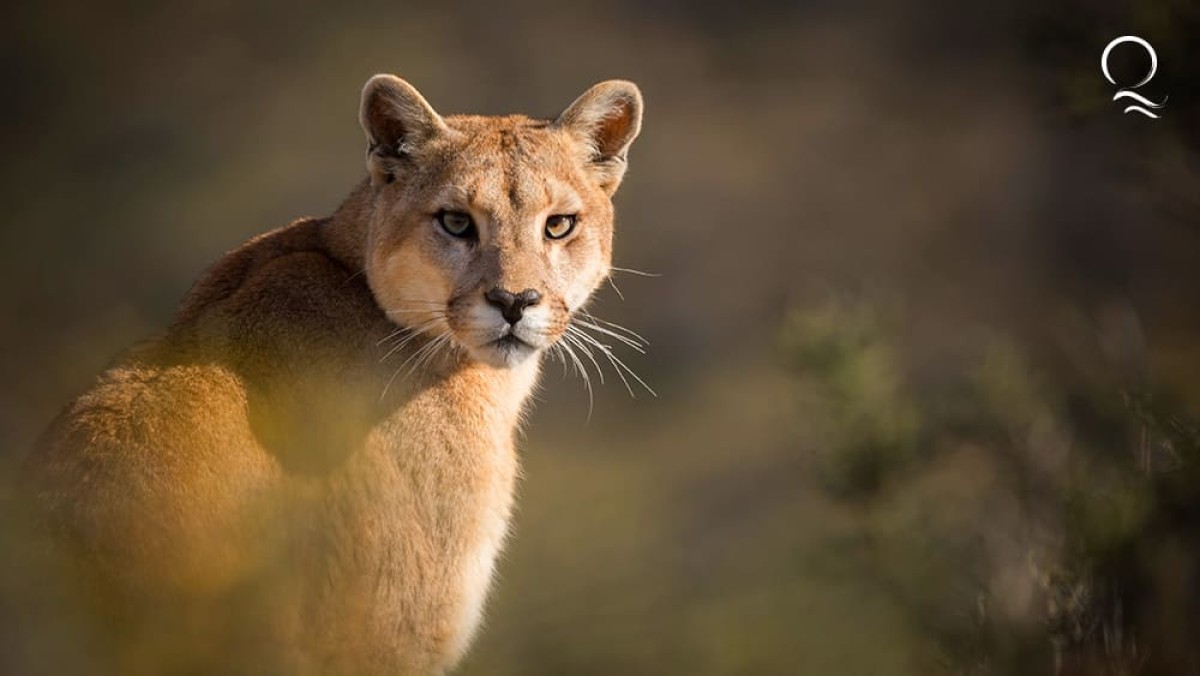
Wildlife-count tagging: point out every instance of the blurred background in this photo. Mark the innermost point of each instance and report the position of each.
(924, 322)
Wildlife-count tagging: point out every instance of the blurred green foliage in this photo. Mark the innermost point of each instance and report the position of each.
(1016, 545)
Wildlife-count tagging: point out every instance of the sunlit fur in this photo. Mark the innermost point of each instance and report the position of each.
(510, 178)
(312, 470)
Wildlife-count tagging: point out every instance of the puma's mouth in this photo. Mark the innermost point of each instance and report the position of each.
(506, 351)
(494, 339)
(510, 341)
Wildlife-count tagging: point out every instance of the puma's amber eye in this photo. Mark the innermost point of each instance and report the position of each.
(560, 225)
(456, 223)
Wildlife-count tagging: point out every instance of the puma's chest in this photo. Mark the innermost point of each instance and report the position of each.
(420, 519)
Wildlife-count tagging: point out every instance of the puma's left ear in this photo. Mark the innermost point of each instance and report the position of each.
(606, 120)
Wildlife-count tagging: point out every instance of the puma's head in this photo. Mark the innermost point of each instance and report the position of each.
(492, 231)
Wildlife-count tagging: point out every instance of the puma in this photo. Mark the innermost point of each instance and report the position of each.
(312, 469)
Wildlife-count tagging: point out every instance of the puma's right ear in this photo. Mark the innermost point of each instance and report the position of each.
(396, 119)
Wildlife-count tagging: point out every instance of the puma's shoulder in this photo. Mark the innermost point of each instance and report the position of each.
(175, 407)
(290, 269)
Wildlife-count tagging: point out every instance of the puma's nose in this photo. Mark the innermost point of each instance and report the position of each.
(512, 305)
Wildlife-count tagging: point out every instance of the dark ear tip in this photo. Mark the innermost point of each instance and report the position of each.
(385, 84)
(619, 89)
(627, 86)
(377, 80)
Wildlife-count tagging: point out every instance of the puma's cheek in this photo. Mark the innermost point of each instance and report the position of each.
(582, 287)
(409, 288)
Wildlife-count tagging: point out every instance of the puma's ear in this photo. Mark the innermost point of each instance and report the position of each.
(397, 119)
(606, 119)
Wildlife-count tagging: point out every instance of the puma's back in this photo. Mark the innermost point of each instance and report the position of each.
(312, 469)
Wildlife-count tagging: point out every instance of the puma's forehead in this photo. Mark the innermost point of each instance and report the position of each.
(521, 189)
(513, 161)
(481, 141)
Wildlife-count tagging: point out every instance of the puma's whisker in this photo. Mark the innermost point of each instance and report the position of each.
(640, 273)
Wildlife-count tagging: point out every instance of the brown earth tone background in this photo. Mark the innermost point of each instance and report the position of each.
(924, 323)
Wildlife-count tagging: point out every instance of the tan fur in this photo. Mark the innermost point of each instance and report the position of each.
(240, 494)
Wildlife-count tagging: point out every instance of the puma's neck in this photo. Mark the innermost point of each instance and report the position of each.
(345, 233)
(479, 398)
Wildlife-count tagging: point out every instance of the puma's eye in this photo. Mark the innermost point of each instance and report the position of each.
(456, 223)
(560, 225)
